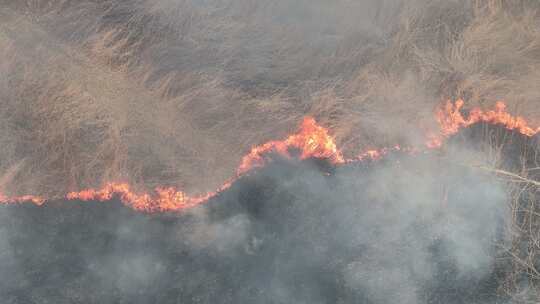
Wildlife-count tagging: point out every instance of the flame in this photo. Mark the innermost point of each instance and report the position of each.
(311, 141)
(163, 199)
(37, 200)
(451, 120)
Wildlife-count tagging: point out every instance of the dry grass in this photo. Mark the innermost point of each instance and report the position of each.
(162, 92)
(516, 163)
(481, 51)
(522, 282)
(172, 92)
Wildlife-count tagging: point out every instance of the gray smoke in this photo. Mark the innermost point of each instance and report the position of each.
(174, 92)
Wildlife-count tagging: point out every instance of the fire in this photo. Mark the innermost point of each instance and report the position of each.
(310, 141)
(163, 199)
(37, 200)
(451, 119)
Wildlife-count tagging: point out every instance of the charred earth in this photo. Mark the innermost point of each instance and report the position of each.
(426, 227)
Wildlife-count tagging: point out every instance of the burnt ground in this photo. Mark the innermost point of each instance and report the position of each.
(406, 229)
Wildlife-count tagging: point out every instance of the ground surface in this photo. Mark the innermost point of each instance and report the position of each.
(408, 229)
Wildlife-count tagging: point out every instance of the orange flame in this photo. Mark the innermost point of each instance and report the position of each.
(311, 141)
(163, 199)
(37, 200)
(451, 119)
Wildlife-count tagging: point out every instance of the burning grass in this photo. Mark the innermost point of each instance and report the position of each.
(172, 94)
(426, 227)
(164, 92)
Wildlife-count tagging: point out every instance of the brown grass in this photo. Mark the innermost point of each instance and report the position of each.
(516, 164)
(160, 92)
(166, 92)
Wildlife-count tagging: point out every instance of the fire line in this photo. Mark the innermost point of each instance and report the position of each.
(311, 140)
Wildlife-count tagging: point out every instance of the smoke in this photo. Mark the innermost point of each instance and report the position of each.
(8, 264)
(225, 237)
(423, 217)
(166, 92)
(409, 228)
